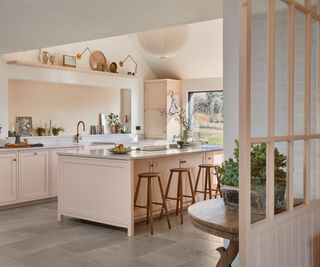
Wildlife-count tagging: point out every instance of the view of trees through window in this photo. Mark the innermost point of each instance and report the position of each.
(205, 113)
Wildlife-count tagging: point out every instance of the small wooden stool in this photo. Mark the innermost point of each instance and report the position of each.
(207, 184)
(149, 206)
(180, 194)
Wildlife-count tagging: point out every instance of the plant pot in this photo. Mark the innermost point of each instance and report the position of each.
(258, 198)
(230, 197)
(117, 129)
(55, 133)
(41, 133)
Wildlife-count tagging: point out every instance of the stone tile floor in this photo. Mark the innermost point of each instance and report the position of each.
(31, 236)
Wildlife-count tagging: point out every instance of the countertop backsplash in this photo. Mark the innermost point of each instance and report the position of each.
(68, 139)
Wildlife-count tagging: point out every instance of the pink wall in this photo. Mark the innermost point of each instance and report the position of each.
(65, 105)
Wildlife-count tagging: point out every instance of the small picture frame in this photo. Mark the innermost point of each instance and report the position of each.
(69, 61)
(24, 126)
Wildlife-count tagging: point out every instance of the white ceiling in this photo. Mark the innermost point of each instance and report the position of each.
(29, 24)
(200, 57)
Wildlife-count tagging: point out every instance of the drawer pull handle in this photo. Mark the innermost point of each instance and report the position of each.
(35, 153)
(14, 159)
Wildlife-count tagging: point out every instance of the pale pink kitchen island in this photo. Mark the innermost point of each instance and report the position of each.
(98, 186)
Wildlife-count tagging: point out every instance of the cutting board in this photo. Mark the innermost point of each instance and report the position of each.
(17, 145)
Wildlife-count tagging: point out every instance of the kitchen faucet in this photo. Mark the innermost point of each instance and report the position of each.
(77, 137)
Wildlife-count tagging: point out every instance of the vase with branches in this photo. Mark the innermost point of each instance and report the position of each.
(179, 114)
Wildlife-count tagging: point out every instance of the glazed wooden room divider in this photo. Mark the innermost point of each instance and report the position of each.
(279, 85)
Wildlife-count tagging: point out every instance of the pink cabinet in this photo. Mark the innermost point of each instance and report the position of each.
(157, 97)
(8, 178)
(54, 168)
(33, 175)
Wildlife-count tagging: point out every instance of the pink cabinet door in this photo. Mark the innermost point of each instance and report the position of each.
(33, 175)
(8, 178)
(54, 169)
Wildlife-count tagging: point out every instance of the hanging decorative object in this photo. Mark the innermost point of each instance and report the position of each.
(97, 59)
(164, 43)
(121, 64)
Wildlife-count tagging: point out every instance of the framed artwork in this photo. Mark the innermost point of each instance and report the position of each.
(69, 61)
(24, 126)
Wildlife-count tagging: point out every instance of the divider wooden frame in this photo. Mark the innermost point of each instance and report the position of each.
(245, 113)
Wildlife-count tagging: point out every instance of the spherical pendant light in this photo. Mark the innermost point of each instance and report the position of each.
(164, 43)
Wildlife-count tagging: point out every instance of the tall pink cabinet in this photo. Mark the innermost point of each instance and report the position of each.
(157, 97)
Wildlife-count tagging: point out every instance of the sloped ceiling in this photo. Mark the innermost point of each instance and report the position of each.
(26, 25)
(200, 57)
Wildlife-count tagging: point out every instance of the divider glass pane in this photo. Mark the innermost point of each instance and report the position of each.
(258, 181)
(314, 168)
(299, 74)
(315, 4)
(282, 69)
(259, 69)
(300, 2)
(314, 83)
(280, 177)
(298, 171)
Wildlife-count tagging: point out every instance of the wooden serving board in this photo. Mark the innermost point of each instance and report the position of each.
(17, 145)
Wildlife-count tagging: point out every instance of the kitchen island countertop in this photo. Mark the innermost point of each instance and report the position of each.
(140, 154)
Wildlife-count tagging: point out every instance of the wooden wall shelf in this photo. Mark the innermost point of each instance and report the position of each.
(63, 68)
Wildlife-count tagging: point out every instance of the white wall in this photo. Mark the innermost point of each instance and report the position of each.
(115, 49)
(231, 42)
(3, 98)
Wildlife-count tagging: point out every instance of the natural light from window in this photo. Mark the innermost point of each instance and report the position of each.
(205, 113)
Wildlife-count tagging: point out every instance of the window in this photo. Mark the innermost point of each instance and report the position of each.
(205, 114)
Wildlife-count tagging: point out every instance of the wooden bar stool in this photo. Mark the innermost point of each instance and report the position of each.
(180, 194)
(150, 202)
(208, 189)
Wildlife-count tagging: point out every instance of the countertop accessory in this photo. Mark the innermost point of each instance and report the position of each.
(113, 67)
(127, 150)
(77, 136)
(98, 61)
(45, 57)
(17, 139)
(121, 64)
(41, 131)
(17, 145)
(52, 58)
(181, 144)
(69, 61)
(24, 126)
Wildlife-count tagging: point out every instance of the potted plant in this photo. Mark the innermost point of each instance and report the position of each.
(41, 131)
(57, 130)
(229, 172)
(114, 122)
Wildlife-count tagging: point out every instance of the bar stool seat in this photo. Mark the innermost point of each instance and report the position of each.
(206, 166)
(208, 189)
(149, 176)
(180, 194)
